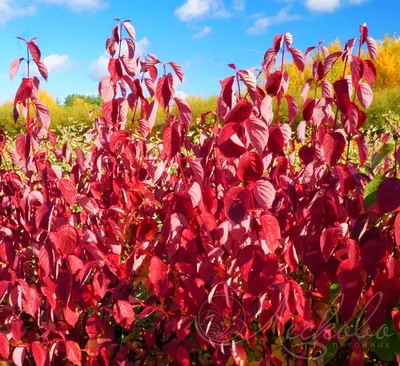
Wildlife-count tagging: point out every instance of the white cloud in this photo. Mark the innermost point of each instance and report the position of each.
(181, 94)
(78, 5)
(202, 33)
(260, 25)
(238, 5)
(12, 9)
(99, 67)
(329, 6)
(193, 9)
(57, 63)
(323, 5)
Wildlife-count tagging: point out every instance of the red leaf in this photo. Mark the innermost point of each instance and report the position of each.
(318, 70)
(68, 190)
(269, 61)
(351, 122)
(178, 70)
(4, 346)
(92, 347)
(357, 69)
(123, 313)
(301, 131)
(100, 284)
(185, 112)
(292, 108)
(277, 42)
(305, 89)
(251, 259)
(227, 90)
(288, 39)
(171, 141)
(306, 154)
(165, 89)
(388, 195)
(73, 352)
(229, 142)
(239, 354)
(19, 355)
(372, 47)
(362, 147)
(129, 28)
(39, 353)
(334, 145)
(106, 89)
(42, 69)
(326, 89)
(147, 229)
(330, 61)
(329, 241)
(298, 58)
(397, 230)
(70, 314)
(32, 302)
(110, 46)
(14, 67)
(240, 112)
(351, 284)
(43, 114)
(308, 109)
(342, 95)
(35, 52)
(271, 231)
(129, 66)
(364, 94)
(250, 168)
(66, 239)
(94, 326)
(275, 83)
(369, 72)
(236, 204)
(258, 133)
(158, 275)
(23, 145)
(264, 193)
(266, 109)
(249, 79)
(195, 193)
(363, 33)
(276, 140)
(44, 216)
(182, 356)
(24, 91)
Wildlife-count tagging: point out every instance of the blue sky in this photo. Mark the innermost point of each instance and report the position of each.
(203, 36)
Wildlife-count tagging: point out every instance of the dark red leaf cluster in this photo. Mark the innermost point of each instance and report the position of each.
(146, 250)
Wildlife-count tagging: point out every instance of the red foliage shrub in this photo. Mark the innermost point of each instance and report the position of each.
(245, 244)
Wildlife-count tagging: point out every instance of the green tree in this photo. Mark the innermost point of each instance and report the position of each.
(89, 99)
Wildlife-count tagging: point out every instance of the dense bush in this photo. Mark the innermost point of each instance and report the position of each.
(230, 243)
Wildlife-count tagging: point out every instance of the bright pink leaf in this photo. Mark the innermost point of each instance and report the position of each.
(271, 231)
(73, 352)
(364, 94)
(123, 313)
(158, 275)
(39, 353)
(250, 168)
(372, 47)
(14, 67)
(68, 190)
(66, 239)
